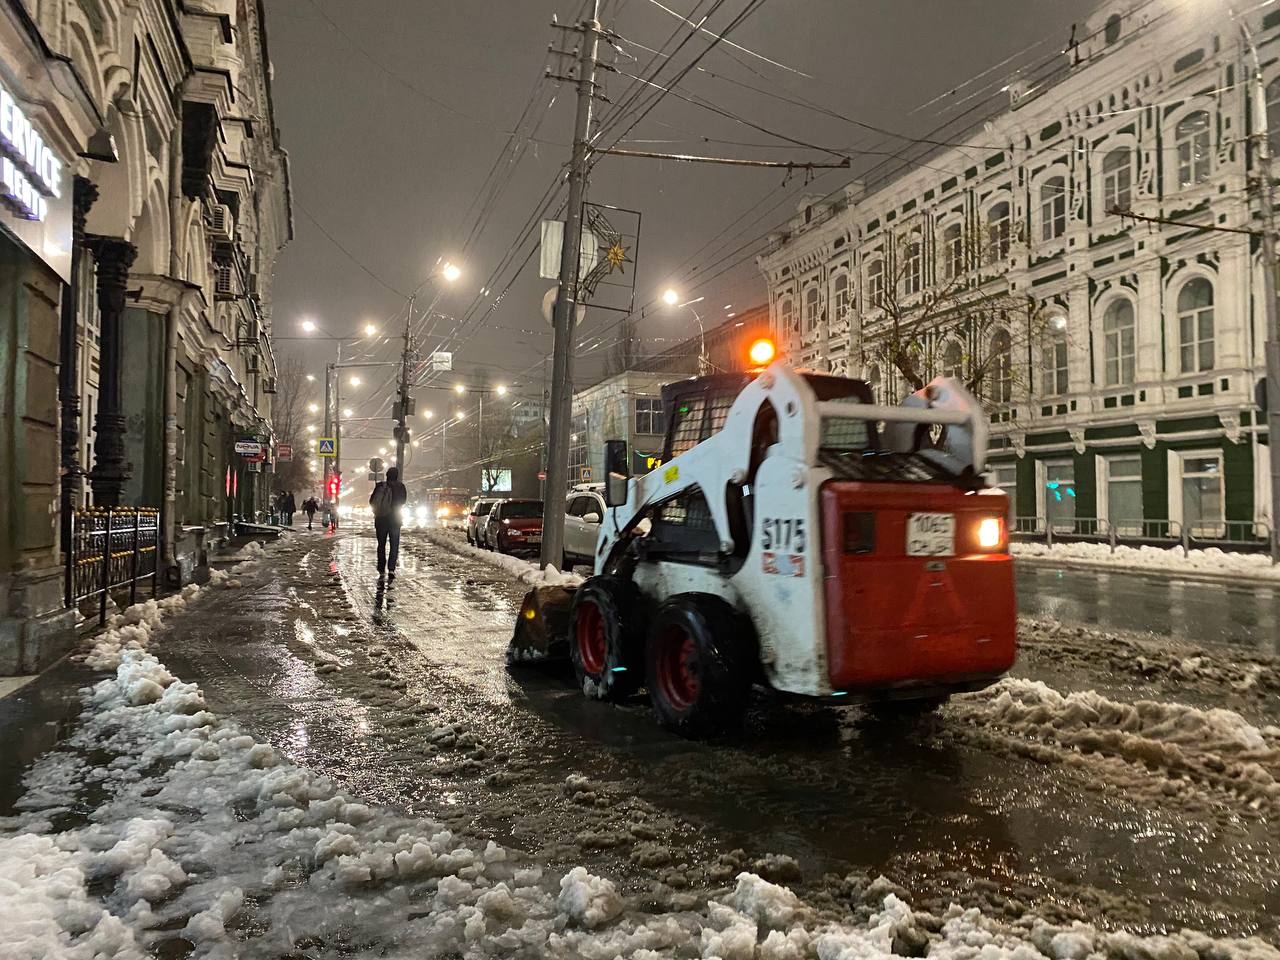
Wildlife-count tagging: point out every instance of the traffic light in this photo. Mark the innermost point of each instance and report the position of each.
(334, 488)
(762, 352)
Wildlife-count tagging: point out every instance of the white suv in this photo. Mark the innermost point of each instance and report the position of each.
(584, 508)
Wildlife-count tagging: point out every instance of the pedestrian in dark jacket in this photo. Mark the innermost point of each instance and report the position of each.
(290, 508)
(309, 507)
(387, 499)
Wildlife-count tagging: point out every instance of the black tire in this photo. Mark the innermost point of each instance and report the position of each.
(698, 665)
(606, 643)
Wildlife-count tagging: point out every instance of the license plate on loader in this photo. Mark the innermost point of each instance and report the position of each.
(931, 534)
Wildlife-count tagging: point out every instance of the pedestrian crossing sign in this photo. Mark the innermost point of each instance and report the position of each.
(325, 447)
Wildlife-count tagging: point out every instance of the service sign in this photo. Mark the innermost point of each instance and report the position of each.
(284, 452)
(35, 188)
(249, 448)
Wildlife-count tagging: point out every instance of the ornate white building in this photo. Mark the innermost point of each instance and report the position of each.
(1134, 399)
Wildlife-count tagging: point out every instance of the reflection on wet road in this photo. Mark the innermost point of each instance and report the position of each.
(1245, 615)
(422, 712)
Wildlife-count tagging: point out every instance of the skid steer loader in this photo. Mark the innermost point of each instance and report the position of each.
(797, 535)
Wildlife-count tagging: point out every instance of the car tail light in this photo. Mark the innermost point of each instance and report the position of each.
(860, 532)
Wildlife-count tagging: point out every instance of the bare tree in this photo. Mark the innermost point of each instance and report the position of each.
(287, 419)
(623, 356)
(963, 321)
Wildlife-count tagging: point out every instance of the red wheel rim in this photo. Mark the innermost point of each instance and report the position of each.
(590, 638)
(678, 668)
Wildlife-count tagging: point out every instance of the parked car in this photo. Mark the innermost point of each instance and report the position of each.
(583, 510)
(476, 516)
(514, 526)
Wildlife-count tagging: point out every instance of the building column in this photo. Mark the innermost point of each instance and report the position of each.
(110, 471)
(83, 197)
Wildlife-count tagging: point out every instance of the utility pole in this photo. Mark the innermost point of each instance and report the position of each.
(566, 307)
(402, 412)
(1262, 148)
(328, 421)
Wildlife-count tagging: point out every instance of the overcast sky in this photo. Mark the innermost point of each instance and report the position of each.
(395, 111)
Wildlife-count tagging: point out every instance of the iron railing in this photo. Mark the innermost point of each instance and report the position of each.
(1244, 536)
(109, 551)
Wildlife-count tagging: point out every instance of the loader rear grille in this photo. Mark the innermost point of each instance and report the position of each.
(881, 466)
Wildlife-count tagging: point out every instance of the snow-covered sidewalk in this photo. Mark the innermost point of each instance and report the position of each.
(526, 571)
(158, 822)
(1210, 564)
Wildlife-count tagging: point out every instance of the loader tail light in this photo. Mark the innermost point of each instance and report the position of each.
(991, 533)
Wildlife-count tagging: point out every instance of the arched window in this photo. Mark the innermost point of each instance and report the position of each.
(786, 316)
(953, 251)
(875, 283)
(1111, 32)
(810, 309)
(1195, 325)
(1053, 208)
(1054, 380)
(999, 223)
(1118, 343)
(952, 360)
(1191, 142)
(913, 272)
(1117, 180)
(1001, 367)
(840, 296)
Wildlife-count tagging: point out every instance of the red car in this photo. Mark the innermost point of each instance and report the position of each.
(514, 526)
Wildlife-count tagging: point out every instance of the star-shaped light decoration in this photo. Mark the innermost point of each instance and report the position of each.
(616, 257)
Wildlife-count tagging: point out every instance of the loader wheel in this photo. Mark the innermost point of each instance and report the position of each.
(605, 640)
(697, 669)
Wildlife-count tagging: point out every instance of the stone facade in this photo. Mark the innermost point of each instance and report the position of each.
(134, 366)
(1134, 399)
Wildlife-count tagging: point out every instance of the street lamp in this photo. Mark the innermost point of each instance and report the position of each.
(347, 411)
(428, 414)
(450, 272)
(370, 330)
(308, 326)
(311, 428)
(459, 389)
(500, 390)
(355, 381)
(313, 407)
(311, 378)
(672, 299)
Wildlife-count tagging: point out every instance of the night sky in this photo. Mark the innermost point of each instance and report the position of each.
(394, 112)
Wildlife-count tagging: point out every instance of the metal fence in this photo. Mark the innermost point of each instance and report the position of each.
(111, 550)
(1243, 536)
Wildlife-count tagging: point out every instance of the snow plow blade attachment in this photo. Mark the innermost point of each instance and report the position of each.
(542, 627)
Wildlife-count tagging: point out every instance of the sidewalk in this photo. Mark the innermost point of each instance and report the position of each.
(1211, 565)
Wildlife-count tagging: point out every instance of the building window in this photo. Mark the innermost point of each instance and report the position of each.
(953, 251)
(1111, 32)
(223, 278)
(840, 296)
(1273, 116)
(1200, 479)
(874, 382)
(953, 360)
(1117, 343)
(1191, 142)
(577, 445)
(1001, 367)
(875, 283)
(786, 316)
(1060, 494)
(1053, 208)
(1122, 480)
(1053, 370)
(1117, 180)
(648, 415)
(913, 273)
(810, 309)
(1004, 477)
(1195, 325)
(999, 223)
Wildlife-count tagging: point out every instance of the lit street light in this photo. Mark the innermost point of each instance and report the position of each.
(355, 381)
(451, 272)
(500, 390)
(308, 326)
(370, 330)
(670, 298)
(311, 378)
(311, 428)
(346, 411)
(313, 407)
(428, 414)
(459, 389)
(459, 415)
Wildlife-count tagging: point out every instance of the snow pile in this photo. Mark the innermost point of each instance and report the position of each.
(251, 551)
(1214, 746)
(1211, 561)
(132, 629)
(526, 571)
(204, 834)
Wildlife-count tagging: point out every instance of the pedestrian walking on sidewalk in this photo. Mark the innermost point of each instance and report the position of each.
(387, 499)
(290, 508)
(309, 507)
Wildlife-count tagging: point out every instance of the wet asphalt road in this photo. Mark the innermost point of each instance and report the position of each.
(403, 694)
(1241, 615)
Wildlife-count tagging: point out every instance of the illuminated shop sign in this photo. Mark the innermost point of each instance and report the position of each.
(30, 172)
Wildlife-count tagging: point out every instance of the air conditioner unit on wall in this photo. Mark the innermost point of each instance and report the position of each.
(270, 386)
(222, 224)
(252, 331)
